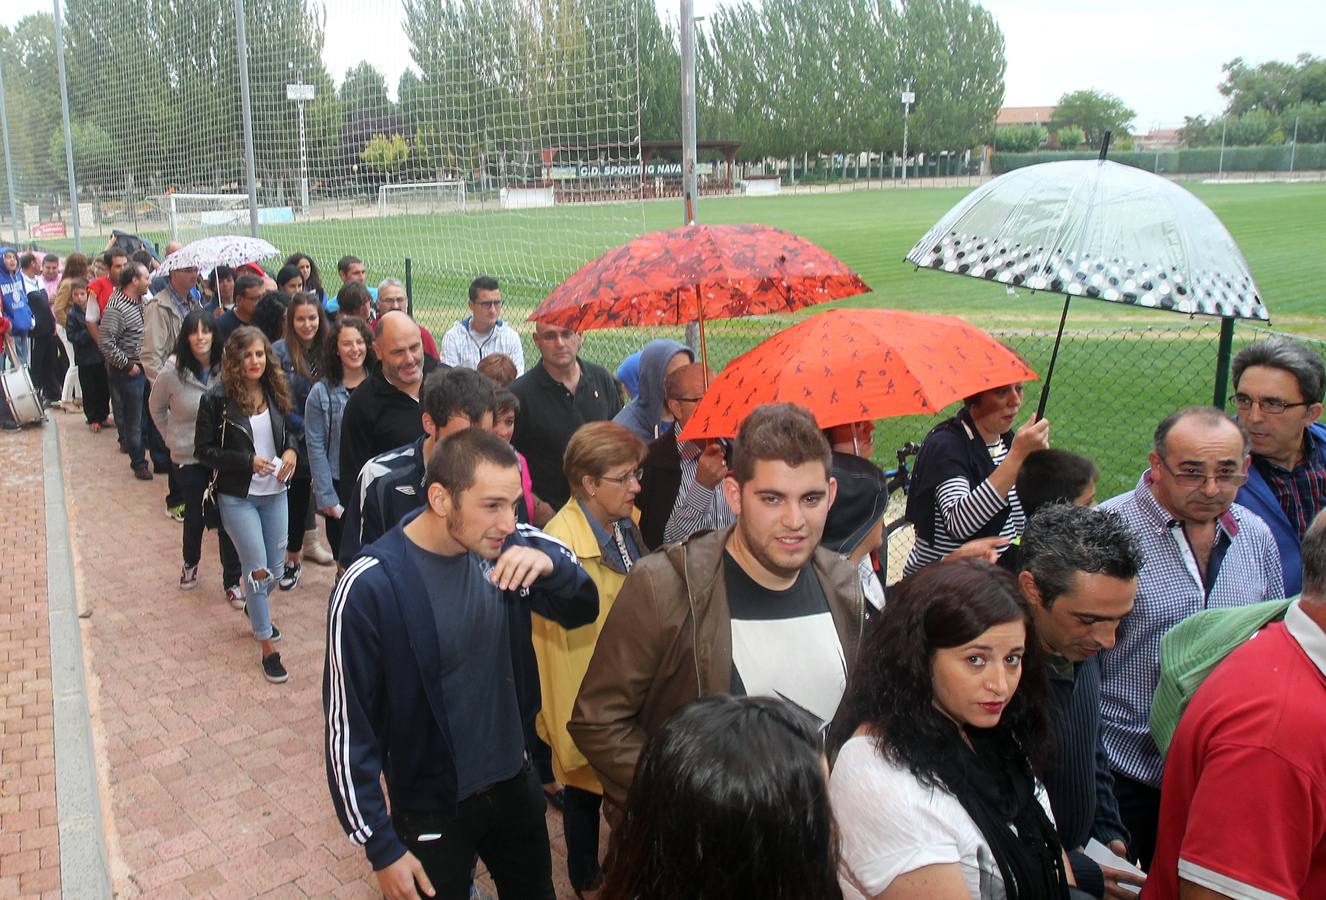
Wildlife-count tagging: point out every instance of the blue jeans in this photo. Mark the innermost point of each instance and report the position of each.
(23, 345)
(132, 392)
(257, 525)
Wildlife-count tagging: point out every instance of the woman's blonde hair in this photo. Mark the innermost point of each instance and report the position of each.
(274, 386)
(597, 447)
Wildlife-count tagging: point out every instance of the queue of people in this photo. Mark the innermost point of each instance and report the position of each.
(545, 597)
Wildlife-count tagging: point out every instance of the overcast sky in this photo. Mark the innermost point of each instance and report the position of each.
(1162, 57)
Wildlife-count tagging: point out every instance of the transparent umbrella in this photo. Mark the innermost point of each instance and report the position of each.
(1098, 229)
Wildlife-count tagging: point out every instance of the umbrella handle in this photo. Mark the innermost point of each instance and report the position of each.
(1054, 355)
(704, 348)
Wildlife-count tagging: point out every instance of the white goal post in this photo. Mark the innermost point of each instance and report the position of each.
(421, 197)
(198, 215)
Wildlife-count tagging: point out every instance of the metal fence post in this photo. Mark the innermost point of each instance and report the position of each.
(1223, 353)
(242, 51)
(409, 288)
(68, 133)
(9, 156)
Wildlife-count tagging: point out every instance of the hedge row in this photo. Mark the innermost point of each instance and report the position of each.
(1184, 162)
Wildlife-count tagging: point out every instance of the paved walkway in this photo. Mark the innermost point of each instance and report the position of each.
(212, 779)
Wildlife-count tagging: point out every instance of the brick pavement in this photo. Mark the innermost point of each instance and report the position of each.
(29, 839)
(212, 779)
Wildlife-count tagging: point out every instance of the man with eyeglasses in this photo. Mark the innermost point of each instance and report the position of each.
(1200, 550)
(483, 332)
(680, 492)
(556, 397)
(392, 298)
(1278, 388)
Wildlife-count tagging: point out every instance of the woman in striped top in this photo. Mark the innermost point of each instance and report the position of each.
(963, 486)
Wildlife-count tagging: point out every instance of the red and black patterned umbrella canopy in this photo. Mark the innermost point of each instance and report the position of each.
(739, 270)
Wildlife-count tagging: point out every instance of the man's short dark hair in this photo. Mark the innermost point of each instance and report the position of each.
(143, 258)
(1061, 541)
(246, 283)
(1053, 476)
(113, 254)
(353, 299)
(224, 273)
(50, 257)
(129, 273)
(1290, 355)
(459, 391)
(1207, 415)
(482, 283)
(456, 459)
(26, 259)
(783, 432)
(345, 262)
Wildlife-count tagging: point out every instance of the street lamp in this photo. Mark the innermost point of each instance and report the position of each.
(301, 93)
(908, 98)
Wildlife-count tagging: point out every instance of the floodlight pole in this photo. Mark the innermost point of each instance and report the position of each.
(1224, 125)
(9, 158)
(68, 134)
(1293, 147)
(246, 112)
(908, 98)
(688, 109)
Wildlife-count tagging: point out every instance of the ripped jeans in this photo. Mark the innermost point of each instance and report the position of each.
(257, 525)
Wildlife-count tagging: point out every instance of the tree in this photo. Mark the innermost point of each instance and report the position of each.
(364, 91)
(1019, 138)
(386, 155)
(1070, 137)
(96, 155)
(1095, 112)
(1273, 85)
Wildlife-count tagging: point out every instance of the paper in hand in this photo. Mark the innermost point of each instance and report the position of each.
(1104, 856)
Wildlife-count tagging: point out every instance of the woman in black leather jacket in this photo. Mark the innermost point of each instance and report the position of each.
(242, 435)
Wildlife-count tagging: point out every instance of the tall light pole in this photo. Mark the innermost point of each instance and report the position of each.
(1293, 148)
(1224, 125)
(68, 135)
(9, 157)
(246, 113)
(300, 93)
(908, 98)
(688, 109)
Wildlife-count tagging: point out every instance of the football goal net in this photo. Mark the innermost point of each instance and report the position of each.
(421, 198)
(194, 216)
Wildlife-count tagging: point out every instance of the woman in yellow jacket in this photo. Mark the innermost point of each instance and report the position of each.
(598, 523)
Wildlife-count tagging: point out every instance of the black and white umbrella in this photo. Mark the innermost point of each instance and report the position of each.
(1097, 229)
(207, 253)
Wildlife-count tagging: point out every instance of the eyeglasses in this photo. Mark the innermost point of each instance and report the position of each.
(1272, 406)
(636, 476)
(564, 337)
(487, 304)
(1199, 479)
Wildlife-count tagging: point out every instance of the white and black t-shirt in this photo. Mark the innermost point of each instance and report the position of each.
(784, 643)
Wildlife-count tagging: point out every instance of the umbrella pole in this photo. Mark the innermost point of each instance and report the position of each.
(1054, 354)
(704, 348)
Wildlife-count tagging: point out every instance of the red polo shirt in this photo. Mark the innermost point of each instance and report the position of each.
(1243, 803)
(101, 288)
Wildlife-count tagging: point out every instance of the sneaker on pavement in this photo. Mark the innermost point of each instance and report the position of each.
(143, 473)
(290, 577)
(175, 512)
(273, 670)
(235, 596)
(188, 578)
(276, 634)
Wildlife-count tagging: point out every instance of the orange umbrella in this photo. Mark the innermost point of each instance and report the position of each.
(850, 365)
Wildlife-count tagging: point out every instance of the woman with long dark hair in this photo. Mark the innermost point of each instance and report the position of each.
(290, 281)
(729, 800)
(173, 404)
(347, 358)
(242, 435)
(300, 353)
(312, 278)
(940, 734)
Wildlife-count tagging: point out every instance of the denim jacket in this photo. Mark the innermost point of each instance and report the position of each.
(322, 434)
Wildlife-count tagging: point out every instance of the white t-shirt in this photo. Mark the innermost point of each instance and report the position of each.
(264, 445)
(891, 824)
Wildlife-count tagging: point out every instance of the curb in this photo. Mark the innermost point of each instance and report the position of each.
(84, 870)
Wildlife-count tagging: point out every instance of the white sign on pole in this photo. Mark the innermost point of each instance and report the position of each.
(299, 92)
(908, 96)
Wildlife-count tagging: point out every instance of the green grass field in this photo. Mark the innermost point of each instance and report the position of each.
(1120, 371)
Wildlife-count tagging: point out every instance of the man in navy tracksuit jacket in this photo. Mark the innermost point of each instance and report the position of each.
(424, 681)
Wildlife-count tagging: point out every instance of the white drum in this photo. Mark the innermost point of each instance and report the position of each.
(24, 404)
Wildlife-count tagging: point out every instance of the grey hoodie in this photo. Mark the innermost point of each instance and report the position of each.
(173, 404)
(642, 414)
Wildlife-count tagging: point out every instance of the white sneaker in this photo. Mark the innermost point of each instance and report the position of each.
(315, 551)
(188, 578)
(235, 596)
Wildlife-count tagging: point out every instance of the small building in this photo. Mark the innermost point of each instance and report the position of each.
(1158, 139)
(1027, 115)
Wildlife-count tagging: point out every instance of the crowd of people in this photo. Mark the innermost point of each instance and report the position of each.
(544, 596)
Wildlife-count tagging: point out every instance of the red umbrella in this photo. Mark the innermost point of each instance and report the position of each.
(851, 365)
(695, 273)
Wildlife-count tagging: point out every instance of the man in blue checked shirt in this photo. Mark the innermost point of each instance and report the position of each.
(1200, 550)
